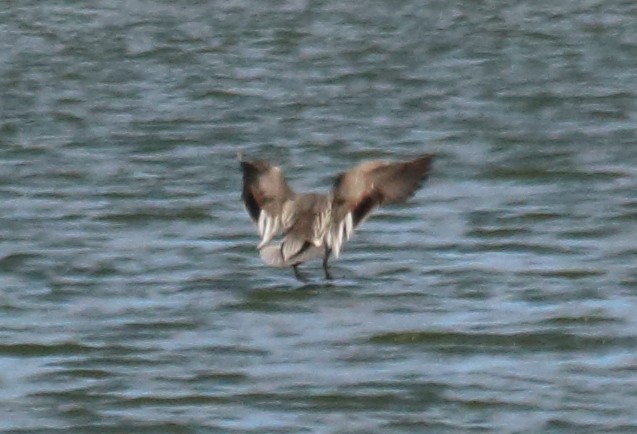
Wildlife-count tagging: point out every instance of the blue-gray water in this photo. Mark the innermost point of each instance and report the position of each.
(501, 298)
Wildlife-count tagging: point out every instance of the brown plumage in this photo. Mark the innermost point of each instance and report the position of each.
(316, 225)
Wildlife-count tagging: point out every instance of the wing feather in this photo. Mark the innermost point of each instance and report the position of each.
(265, 194)
(360, 190)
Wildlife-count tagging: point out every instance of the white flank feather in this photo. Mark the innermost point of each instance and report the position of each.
(261, 223)
(349, 225)
(268, 227)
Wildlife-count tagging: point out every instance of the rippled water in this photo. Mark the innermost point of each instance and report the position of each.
(501, 298)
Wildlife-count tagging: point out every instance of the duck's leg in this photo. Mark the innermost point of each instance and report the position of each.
(298, 274)
(328, 252)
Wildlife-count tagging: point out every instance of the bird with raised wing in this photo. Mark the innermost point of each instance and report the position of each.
(316, 225)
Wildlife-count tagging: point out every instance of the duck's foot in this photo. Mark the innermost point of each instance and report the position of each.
(299, 276)
(326, 269)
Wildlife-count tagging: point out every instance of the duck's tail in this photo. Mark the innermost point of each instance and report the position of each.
(272, 255)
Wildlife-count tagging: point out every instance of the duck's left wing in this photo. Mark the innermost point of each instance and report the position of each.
(265, 194)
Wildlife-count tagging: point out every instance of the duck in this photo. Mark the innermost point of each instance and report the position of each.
(316, 225)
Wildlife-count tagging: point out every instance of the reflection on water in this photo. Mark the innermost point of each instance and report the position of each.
(501, 298)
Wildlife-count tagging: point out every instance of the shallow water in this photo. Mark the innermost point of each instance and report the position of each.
(501, 298)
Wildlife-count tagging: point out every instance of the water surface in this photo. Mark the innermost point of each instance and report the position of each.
(501, 298)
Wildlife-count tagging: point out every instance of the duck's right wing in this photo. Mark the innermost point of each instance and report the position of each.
(265, 195)
(360, 190)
